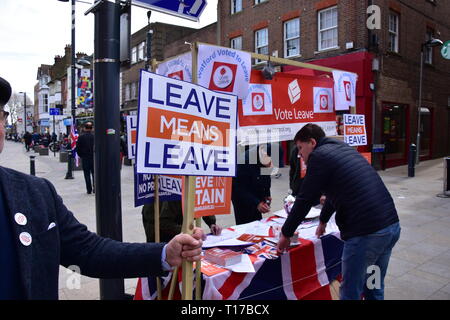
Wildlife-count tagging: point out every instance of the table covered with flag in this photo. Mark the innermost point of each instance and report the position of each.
(305, 272)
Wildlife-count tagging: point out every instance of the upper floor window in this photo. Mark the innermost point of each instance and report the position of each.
(236, 6)
(259, 1)
(134, 55)
(292, 38)
(328, 28)
(393, 32)
(261, 42)
(133, 90)
(45, 102)
(127, 92)
(236, 43)
(141, 51)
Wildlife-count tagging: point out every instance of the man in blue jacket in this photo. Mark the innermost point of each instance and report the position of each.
(38, 233)
(365, 212)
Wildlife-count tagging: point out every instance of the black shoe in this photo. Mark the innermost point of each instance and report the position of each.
(89, 192)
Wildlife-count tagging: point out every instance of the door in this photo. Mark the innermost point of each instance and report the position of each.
(426, 132)
(395, 133)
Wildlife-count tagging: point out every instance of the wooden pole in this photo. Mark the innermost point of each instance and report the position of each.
(156, 204)
(157, 228)
(189, 197)
(198, 270)
(173, 283)
(188, 227)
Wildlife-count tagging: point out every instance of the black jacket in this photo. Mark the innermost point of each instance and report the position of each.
(85, 145)
(353, 188)
(248, 190)
(295, 181)
(67, 243)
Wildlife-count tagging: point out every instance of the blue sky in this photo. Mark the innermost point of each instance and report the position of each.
(34, 31)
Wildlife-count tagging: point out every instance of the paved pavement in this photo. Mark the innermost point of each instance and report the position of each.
(420, 263)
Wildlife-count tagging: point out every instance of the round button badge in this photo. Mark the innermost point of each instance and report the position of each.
(25, 238)
(20, 219)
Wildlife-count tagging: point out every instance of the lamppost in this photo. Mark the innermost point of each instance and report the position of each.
(24, 111)
(429, 44)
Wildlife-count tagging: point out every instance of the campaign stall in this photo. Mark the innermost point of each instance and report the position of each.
(194, 113)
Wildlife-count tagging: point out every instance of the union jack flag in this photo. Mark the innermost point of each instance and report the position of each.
(73, 143)
(306, 272)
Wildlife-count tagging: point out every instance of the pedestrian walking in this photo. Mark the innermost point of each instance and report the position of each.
(85, 150)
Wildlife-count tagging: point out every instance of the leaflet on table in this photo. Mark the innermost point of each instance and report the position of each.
(245, 266)
(313, 213)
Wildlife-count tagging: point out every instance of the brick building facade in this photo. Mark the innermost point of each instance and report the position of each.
(334, 33)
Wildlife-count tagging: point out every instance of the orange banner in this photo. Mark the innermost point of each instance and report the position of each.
(184, 127)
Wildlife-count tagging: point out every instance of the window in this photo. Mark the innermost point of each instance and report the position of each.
(261, 42)
(45, 102)
(134, 55)
(133, 90)
(393, 32)
(428, 51)
(259, 1)
(292, 38)
(236, 43)
(236, 6)
(127, 92)
(328, 28)
(141, 51)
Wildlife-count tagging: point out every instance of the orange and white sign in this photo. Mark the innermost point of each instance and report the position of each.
(224, 69)
(212, 196)
(185, 129)
(355, 130)
(131, 136)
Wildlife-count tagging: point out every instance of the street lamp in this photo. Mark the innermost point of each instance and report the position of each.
(429, 44)
(69, 174)
(24, 110)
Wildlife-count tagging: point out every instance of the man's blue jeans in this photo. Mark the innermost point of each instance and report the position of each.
(365, 261)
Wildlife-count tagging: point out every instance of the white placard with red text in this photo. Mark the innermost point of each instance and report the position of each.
(179, 67)
(224, 69)
(344, 89)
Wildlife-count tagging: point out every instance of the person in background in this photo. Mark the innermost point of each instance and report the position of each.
(27, 139)
(251, 186)
(365, 211)
(170, 220)
(85, 150)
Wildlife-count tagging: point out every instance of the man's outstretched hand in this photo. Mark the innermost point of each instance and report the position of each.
(185, 246)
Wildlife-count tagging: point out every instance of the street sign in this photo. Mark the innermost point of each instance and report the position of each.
(376, 148)
(54, 112)
(446, 50)
(186, 9)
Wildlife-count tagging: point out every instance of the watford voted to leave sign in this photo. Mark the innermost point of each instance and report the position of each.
(185, 129)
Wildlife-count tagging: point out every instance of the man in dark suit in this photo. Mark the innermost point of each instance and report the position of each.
(251, 188)
(38, 233)
(85, 149)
